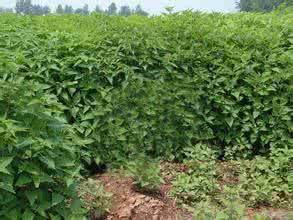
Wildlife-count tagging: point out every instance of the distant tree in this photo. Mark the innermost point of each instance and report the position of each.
(46, 10)
(19, 7)
(85, 9)
(98, 9)
(40, 10)
(112, 9)
(68, 9)
(23, 7)
(261, 5)
(27, 8)
(125, 11)
(169, 9)
(244, 5)
(289, 2)
(37, 10)
(264, 5)
(6, 10)
(59, 10)
(78, 11)
(138, 10)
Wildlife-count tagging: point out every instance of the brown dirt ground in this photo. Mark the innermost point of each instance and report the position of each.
(131, 204)
(275, 214)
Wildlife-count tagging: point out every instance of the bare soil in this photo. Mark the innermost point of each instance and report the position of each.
(130, 203)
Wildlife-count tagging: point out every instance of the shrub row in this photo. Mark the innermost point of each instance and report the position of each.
(117, 86)
(164, 83)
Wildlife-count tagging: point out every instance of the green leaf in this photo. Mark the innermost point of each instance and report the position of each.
(28, 215)
(49, 162)
(97, 160)
(23, 179)
(256, 114)
(222, 216)
(25, 143)
(44, 178)
(57, 198)
(229, 121)
(31, 195)
(4, 162)
(7, 187)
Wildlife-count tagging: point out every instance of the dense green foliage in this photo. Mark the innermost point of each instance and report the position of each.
(112, 87)
(39, 162)
(146, 85)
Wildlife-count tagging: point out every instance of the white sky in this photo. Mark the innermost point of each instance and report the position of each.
(152, 6)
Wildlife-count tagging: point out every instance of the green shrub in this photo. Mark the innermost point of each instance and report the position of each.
(38, 161)
(268, 181)
(158, 86)
(163, 83)
(200, 181)
(232, 211)
(145, 171)
(94, 197)
(263, 181)
(197, 185)
(201, 152)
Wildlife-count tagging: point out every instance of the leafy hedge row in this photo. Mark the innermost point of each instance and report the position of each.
(39, 160)
(164, 83)
(126, 85)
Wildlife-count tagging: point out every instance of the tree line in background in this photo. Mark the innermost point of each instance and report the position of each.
(261, 5)
(6, 10)
(124, 10)
(26, 7)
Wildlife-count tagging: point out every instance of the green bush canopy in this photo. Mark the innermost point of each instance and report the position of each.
(104, 87)
(164, 83)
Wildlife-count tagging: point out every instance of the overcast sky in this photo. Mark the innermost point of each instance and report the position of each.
(152, 6)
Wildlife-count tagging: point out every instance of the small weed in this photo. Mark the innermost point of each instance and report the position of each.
(232, 210)
(200, 180)
(146, 173)
(267, 181)
(94, 197)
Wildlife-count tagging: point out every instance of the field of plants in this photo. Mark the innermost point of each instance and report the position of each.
(189, 107)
